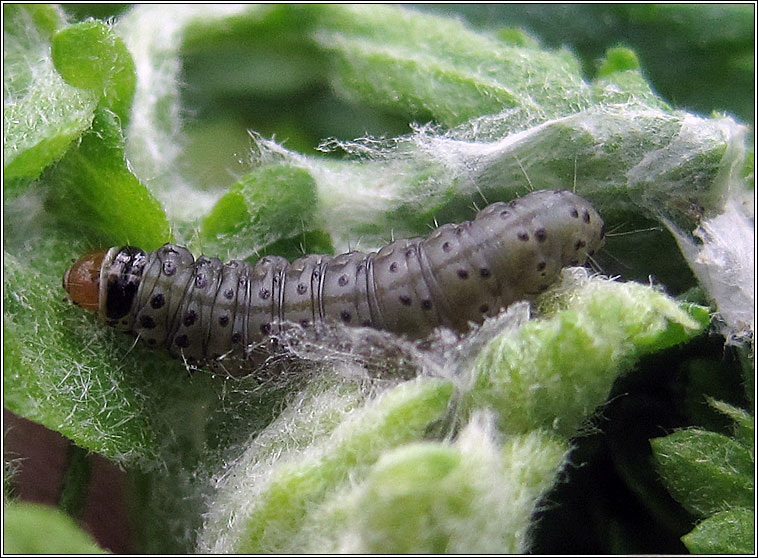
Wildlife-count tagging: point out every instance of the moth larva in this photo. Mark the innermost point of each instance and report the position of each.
(206, 311)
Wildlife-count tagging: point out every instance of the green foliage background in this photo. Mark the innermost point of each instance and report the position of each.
(137, 132)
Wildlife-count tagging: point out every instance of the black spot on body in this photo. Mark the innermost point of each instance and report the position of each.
(586, 216)
(189, 318)
(201, 281)
(264, 293)
(484, 273)
(265, 329)
(523, 236)
(410, 252)
(393, 267)
(236, 337)
(462, 273)
(342, 281)
(345, 315)
(157, 301)
(405, 300)
(181, 341)
(169, 268)
(541, 266)
(484, 308)
(540, 234)
(229, 294)
(426, 304)
(504, 214)
(446, 247)
(302, 288)
(574, 213)
(146, 322)
(223, 321)
(579, 244)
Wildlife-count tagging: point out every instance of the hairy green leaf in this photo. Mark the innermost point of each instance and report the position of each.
(706, 472)
(90, 56)
(744, 430)
(42, 114)
(725, 532)
(270, 500)
(594, 330)
(94, 179)
(271, 205)
(417, 498)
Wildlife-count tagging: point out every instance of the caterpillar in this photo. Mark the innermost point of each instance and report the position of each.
(205, 311)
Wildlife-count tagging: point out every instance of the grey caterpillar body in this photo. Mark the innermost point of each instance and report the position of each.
(206, 311)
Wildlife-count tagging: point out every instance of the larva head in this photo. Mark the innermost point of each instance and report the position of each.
(82, 280)
(106, 281)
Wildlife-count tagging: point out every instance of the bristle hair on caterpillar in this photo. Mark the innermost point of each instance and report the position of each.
(209, 312)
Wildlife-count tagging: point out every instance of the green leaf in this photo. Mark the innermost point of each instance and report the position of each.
(517, 37)
(744, 431)
(37, 529)
(726, 532)
(417, 497)
(269, 209)
(711, 44)
(42, 114)
(95, 193)
(704, 471)
(274, 486)
(90, 56)
(429, 66)
(620, 80)
(593, 330)
(618, 60)
(411, 64)
(401, 416)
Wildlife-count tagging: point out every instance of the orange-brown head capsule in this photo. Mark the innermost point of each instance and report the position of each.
(107, 282)
(82, 280)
